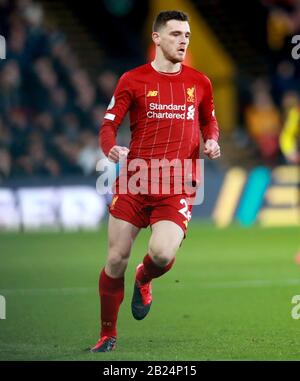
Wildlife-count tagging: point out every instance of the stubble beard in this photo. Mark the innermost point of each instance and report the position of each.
(173, 59)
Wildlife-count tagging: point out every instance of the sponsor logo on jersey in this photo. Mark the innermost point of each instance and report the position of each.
(166, 111)
(190, 113)
(152, 93)
(191, 94)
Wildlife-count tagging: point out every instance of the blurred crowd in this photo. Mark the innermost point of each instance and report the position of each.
(50, 109)
(271, 115)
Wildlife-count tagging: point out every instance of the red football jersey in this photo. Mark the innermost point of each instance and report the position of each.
(167, 112)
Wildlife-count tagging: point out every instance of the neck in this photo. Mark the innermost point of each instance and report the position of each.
(164, 65)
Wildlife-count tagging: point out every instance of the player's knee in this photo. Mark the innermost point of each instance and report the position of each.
(161, 255)
(161, 261)
(117, 257)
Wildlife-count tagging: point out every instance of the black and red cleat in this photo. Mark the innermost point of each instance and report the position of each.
(105, 344)
(141, 299)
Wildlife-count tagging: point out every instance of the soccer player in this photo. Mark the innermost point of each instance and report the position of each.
(169, 104)
(290, 136)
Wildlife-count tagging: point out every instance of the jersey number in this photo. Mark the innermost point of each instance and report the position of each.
(185, 210)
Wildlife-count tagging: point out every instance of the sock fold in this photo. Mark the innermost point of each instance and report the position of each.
(150, 270)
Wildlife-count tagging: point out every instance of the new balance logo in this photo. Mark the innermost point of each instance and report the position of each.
(152, 93)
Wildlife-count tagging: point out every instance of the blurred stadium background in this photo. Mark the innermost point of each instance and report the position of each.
(62, 62)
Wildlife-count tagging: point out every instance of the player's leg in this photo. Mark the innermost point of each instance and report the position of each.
(164, 242)
(121, 235)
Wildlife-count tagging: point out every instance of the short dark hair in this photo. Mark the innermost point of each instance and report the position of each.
(163, 17)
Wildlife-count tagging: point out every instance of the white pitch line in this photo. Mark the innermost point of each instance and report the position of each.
(48, 291)
(251, 283)
(207, 285)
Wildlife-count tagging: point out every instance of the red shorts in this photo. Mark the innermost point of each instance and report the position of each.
(142, 210)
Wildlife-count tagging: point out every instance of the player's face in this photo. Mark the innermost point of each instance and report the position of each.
(173, 39)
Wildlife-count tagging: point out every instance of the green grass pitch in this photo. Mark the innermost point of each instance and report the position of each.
(227, 297)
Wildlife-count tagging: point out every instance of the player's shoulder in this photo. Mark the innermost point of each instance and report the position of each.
(196, 74)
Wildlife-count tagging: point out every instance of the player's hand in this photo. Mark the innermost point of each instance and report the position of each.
(117, 153)
(212, 149)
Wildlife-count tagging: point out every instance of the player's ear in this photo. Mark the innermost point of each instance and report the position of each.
(156, 38)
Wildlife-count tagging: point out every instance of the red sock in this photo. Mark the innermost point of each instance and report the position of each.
(111, 292)
(150, 270)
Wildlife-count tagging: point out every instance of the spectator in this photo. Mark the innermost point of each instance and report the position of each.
(5, 164)
(10, 84)
(264, 123)
(285, 79)
(89, 154)
(5, 135)
(290, 136)
(21, 130)
(106, 83)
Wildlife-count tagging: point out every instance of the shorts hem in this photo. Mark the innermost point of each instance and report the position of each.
(169, 219)
(116, 215)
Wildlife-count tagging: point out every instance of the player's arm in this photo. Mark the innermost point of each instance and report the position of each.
(208, 123)
(115, 113)
(289, 135)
